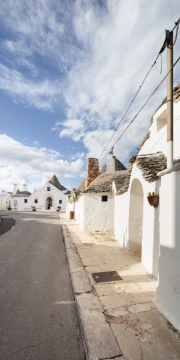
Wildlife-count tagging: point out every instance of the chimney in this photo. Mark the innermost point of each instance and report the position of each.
(92, 171)
(24, 187)
(110, 161)
(14, 189)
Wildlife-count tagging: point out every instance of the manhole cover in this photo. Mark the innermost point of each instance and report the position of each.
(106, 276)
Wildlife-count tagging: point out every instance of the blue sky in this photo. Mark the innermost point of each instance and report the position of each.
(68, 71)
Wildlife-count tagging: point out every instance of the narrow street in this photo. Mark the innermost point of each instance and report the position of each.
(38, 319)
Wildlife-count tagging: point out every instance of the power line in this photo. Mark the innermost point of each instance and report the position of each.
(160, 52)
(131, 103)
(143, 106)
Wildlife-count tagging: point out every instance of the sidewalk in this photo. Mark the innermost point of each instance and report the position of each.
(118, 318)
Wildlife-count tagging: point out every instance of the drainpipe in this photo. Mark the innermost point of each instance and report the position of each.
(169, 39)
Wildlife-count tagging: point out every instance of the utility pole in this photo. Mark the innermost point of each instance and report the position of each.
(169, 42)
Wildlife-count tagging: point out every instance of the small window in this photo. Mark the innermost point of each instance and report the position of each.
(104, 198)
(25, 201)
(35, 201)
(48, 188)
(60, 201)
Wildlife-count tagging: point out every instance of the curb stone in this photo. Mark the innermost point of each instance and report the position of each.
(99, 340)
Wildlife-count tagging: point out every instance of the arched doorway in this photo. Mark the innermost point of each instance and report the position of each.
(135, 216)
(48, 202)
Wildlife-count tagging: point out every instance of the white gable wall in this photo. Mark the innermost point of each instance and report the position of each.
(4, 200)
(124, 203)
(79, 211)
(158, 132)
(168, 293)
(131, 228)
(98, 215)
(121, 216)
(160, 251)
(42, 195)
(150, 223)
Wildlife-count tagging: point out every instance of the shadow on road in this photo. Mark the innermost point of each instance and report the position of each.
(6, 224)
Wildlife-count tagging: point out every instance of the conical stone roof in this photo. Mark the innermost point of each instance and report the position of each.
(54, 181)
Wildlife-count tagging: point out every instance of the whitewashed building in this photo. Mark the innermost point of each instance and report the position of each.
(138, 225)
(94, 208)
(51, 196)
(4, 196)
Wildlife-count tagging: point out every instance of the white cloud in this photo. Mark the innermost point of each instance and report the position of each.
(121, 44)
(78, 155)
(98, 53)
(73, 128)
(31, 165)
(42, 95)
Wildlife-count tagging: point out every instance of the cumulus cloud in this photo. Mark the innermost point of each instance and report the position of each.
(121, 44)
(31, 165)
(42, 95)
(89, 58)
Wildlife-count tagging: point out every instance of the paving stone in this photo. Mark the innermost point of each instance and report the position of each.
(117, 300)
(130, 344)
(98, 336)
(80, 282)
(146, 336)
(91, 269)
(143, 296)
(147, 285)
(74, 260)
(118, 312)
(139, 308)
(128, 287)
(105, 289)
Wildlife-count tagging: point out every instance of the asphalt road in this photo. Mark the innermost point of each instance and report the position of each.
(38, 319)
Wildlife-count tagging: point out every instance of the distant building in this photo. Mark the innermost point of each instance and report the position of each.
(4, 196)
(51, 196)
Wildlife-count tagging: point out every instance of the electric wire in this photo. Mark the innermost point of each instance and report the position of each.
(139, 111)
(122, 118)
(140, 87)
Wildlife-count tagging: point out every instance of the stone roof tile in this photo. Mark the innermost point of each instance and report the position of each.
(54, 181)
(103, 183)
(81, 186)
(151, 165)
(21, 194)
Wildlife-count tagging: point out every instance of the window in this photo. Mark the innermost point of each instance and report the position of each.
(104, 198)
(35, 201)
(48, 188)
(25, 201)
(60, 201)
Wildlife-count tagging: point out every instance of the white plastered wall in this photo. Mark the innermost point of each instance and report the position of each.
(98, 215)
(121, 216)
(79, 211)
(158, 132)
(4, 200)
(168, 293)
(150, 222)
